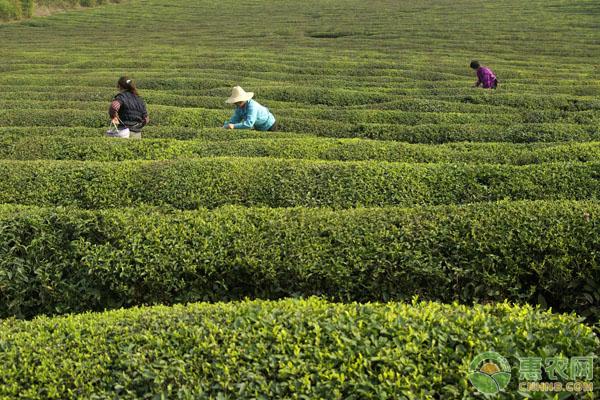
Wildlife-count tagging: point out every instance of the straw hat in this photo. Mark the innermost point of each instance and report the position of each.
(239, 94)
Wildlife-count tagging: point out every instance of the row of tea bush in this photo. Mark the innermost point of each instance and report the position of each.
(57, 260)
(106, 149)
(267, 182)
(303, 349)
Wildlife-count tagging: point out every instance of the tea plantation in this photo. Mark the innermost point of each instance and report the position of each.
(398, 223)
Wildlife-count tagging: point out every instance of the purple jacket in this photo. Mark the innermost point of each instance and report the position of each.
(486, 78)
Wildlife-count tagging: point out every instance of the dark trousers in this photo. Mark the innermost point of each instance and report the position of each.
(273, 128)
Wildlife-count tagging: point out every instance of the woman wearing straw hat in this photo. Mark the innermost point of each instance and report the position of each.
(249, 114)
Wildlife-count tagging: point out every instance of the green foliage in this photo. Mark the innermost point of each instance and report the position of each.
(413, 127)
(27, 7)
(336, 74)
(286, 349)
(65, 260)
(57, 3)
(180, 133)
(219, 143)
(426, 134)
(10, 10)
(212, 182)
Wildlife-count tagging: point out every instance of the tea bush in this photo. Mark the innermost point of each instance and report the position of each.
(163, 132)
(285, 349)
(62, 147)
(212, 182)
(10, 9)
(67, 260)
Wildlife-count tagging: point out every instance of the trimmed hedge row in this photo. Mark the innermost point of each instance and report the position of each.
(502, 102)
(533, 88)
(212, 182)
(411, 113)
(105, 149)
(336, 88)
(206, 118)
(403, 100)
(378, 93)
(358, 116)
(69, 260)
(286, 349)
(446, 133)
(161, 115)
(9, 134)
(63, 99)
(426, 134)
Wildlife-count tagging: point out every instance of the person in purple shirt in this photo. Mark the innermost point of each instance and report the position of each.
(485, 76)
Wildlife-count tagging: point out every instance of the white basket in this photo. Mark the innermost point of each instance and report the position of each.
(115, 132)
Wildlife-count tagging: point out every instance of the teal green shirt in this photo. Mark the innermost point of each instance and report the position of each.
(252, 115)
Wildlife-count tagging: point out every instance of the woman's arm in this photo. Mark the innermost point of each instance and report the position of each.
(479, 77)
(235, 118)
(113, 111)
(251, 115)
(145, 117)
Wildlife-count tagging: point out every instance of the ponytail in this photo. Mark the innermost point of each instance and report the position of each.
(127, 84)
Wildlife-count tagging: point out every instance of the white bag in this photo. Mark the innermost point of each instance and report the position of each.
(114, 131)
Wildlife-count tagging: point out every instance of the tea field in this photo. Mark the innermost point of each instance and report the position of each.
(398, 223)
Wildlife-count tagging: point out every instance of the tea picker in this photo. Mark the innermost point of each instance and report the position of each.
(127, 111)
(485, 77)
(249, 114)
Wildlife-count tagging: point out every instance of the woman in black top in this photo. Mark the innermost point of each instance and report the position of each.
(127, 109)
